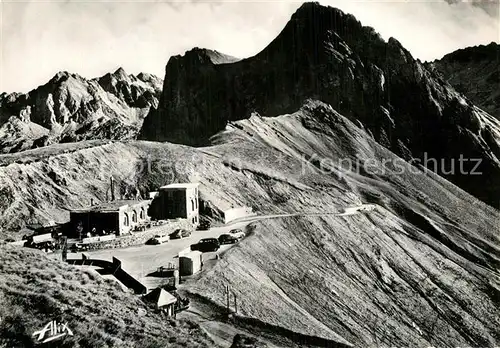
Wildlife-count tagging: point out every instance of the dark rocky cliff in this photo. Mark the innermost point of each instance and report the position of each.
(475, 72)
(325, 54)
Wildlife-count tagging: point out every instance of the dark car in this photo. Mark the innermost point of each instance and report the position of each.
(180, 233)
(143, 226)
(204, 225)
(46, 246)
(206, 245)
(78, 247)
(158, 239)
(227, 239)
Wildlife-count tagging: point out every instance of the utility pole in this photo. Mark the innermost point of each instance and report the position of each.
(112, 189)
(227, 298)
(235, 303)
(64, 248)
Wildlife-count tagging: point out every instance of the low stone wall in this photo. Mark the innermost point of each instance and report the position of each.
(85, 261)
(115, 268)
(98, 239)
(126, 279)
(139, 238)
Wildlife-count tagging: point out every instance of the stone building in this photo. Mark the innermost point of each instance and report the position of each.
(177, 201)
(119, 217)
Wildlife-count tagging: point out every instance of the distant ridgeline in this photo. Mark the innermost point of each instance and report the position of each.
(325, 54)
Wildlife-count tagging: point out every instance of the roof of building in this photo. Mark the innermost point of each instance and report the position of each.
(112, 206)
(191, 255)
(160, 297)
(181, 185)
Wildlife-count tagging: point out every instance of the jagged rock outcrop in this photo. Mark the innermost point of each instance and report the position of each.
(139, 91)
(325, 54)
(475, 72)
(71, 108)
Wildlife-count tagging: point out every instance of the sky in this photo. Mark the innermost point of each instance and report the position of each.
(90, 38)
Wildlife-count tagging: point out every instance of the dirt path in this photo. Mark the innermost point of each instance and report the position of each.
(220, 331)
(347, 211)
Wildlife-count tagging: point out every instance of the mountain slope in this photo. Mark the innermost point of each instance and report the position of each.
(71, 108)
(325, 54)
(419, 270)
(475, 72)
(35, 290)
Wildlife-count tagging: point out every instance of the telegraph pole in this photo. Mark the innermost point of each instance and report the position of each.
(227, 298)
(64, 248)
(235, 303)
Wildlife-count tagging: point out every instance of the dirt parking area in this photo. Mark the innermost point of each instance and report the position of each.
(142, 261)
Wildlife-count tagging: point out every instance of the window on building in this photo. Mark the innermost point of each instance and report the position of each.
(192, 204)
(194, 221)
(134, 216)
(125, 220)
(196, 203)
(142, 214)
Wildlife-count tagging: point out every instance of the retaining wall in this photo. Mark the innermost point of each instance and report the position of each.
(114, 267)
(139, 238)
(236, 213)
(98, 239)
(129, 281)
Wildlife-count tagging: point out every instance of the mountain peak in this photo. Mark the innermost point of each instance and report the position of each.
(311, 6)
(144, 76)
(475, 53)
(120, 74)
(205, 55)
(60, 76)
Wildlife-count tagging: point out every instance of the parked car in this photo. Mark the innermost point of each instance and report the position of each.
(204, 225)
(180, 233)
(142, 226)
(158, 239)
(227, 239)
(158, 222)
(206, 245)
(237, 233)
(47, 246)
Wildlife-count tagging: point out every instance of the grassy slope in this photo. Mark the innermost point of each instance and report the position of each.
(35, 289)
(421, 269)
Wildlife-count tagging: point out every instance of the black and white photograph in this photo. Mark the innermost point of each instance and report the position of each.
(249, 174)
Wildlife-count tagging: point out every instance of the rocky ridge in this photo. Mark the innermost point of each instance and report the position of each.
(71, 108)
(475, 72)
(325, 54)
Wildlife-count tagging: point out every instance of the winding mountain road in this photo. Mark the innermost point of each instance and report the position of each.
(143, 260)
